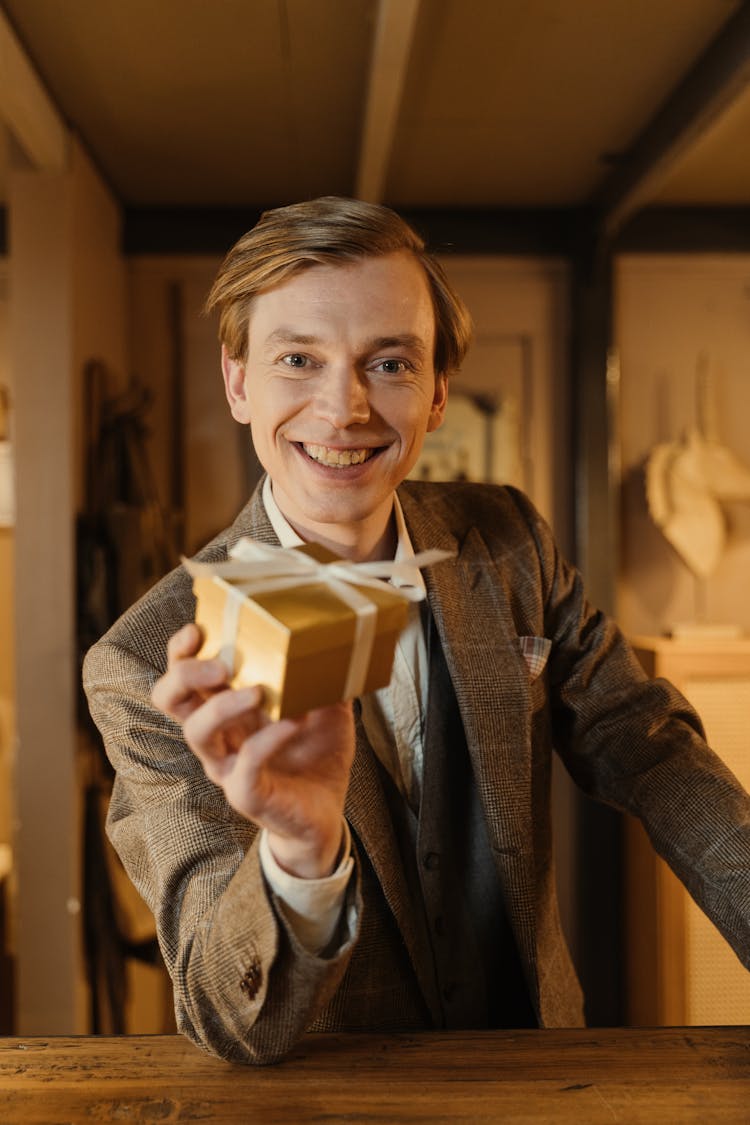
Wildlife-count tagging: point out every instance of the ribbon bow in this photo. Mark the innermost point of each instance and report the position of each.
(255, 568)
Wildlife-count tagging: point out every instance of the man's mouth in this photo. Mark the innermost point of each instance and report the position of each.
(337, 458)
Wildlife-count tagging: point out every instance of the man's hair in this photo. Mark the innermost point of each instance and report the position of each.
(328, 231)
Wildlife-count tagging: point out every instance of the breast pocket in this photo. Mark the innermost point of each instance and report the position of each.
(535, 652)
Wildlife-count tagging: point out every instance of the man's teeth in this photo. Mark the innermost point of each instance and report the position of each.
(328, 456)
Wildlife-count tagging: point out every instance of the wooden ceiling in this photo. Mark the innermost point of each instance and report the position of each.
(461, 104)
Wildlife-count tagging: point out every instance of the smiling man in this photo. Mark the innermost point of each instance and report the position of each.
(338, 385)
(384, 862)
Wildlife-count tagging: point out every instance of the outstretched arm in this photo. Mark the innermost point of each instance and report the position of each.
(245, 987)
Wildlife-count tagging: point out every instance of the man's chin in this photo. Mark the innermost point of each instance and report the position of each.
(351, 507)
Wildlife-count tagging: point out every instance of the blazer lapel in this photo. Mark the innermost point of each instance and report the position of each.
(253, 521)
(475, 623)
(366, 810)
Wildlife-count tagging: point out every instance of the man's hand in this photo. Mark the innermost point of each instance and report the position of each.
(290, 776)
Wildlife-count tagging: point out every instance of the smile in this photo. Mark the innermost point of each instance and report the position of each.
(337, 458)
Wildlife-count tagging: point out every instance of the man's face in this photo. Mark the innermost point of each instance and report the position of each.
(339, 388)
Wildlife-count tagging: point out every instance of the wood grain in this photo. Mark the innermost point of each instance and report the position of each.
(625, 1075)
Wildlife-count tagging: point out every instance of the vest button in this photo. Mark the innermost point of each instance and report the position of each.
(251, 980)
(431, 861)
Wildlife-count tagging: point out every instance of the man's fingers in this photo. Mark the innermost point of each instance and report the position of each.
(232, 710)
(185, 642)
(186, 684)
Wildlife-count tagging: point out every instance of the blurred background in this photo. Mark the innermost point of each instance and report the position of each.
(583, 169)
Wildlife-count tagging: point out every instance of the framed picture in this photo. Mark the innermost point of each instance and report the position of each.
(485, 434)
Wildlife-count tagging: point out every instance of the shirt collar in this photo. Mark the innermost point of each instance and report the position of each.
(288, 537)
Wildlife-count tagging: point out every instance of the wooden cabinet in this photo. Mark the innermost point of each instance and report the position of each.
(680, 969)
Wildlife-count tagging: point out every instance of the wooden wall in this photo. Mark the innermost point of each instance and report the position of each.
(67, 305)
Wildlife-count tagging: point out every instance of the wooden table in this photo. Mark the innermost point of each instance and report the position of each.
(669, 1076)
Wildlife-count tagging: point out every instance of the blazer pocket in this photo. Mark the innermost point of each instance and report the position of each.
(535, 651)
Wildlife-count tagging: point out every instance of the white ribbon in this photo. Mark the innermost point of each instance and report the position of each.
(255, 568)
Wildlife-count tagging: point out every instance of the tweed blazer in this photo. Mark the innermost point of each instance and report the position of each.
(243, 986)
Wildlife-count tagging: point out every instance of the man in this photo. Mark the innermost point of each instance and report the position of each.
(386, 862)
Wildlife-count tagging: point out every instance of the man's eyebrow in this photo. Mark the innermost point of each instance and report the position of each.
(284, 335)
(290, 336)
(404, 340)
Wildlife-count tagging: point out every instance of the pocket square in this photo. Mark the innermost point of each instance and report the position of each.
(535, 651)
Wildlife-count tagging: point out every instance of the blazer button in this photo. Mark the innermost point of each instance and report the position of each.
(251, 980)
(432, 861)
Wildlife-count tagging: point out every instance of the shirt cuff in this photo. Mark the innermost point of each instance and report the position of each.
(311, 906)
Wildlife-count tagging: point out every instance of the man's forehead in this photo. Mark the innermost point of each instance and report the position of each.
(391, 292)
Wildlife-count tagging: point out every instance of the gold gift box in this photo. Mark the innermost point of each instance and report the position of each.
(297, 642)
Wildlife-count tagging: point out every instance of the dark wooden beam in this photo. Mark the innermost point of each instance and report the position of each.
(542, 231)
(185, 230)
(597, 841)
(686, 230)
(557, 232)
(721, 73)
(551, 231)
(591, 327)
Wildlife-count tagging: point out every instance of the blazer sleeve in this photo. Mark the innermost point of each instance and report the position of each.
(637, 744)
(244, 988)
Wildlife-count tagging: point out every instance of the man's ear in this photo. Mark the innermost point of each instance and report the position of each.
(235, 386)
(439, 402)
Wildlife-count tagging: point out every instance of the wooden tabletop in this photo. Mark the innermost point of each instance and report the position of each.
(665, 1075)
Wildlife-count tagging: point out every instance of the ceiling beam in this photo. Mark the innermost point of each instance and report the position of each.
(26, 108)
(394, 35)
(719, 77)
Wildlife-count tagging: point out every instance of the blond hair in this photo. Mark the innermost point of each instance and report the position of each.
(328, 231)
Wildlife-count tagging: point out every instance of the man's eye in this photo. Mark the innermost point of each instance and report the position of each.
(294, 360)
(391, 366)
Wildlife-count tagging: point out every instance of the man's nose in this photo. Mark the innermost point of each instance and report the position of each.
(342, 397)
